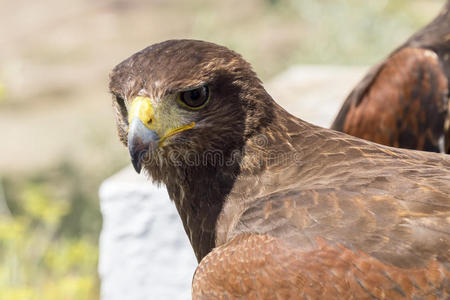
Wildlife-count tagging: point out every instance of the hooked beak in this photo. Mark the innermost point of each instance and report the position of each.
(141, 141)
(144, 132)
(141, 137)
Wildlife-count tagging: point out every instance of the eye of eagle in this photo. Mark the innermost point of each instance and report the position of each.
(122, 108)
(195, 98)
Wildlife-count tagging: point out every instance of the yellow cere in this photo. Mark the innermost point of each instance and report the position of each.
(142, 108)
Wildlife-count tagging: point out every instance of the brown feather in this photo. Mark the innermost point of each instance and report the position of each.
(404, 100)
(249, 267)
(291, 210)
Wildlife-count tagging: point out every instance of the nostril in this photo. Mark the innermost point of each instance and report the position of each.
(150, 121)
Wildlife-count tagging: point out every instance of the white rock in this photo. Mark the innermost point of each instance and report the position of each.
(144, 251)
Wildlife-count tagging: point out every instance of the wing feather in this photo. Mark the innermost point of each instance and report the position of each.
(403, 102)
(253, 266)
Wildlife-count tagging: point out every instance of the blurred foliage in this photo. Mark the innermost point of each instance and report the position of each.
(349, 31)
(275, 34)
(47, 250)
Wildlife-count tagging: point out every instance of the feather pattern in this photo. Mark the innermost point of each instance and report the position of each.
(404, 100)
(289, 210)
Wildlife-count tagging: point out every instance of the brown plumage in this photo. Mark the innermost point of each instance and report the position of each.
(404, 100)
(275, 207)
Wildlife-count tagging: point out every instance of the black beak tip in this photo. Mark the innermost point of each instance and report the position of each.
(136, 159)
(141, 141)
(137, 164)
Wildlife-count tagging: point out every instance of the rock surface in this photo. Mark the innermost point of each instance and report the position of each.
(144, 251)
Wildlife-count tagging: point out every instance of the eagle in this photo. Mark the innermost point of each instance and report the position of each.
(404, 100)
(275, 207)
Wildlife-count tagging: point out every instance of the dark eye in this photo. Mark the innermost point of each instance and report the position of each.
(122, 107)
(195, 98)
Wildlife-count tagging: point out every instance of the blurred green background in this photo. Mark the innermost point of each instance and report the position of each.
(58, 139)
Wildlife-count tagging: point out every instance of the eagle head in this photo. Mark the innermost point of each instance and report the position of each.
(178, 100)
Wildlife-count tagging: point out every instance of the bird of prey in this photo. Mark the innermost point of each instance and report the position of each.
(404, 100)
(275, 207)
